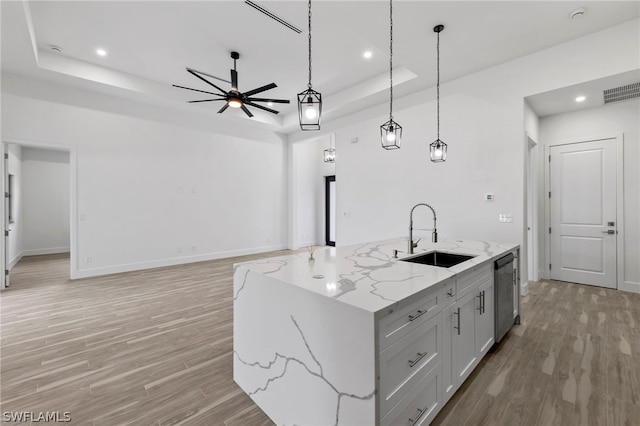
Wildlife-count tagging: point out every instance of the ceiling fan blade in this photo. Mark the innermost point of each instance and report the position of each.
(246, 111)
(273, 111)
(223, 108)
(260, 89)
(275, 101)
(206, 100)
(234, 79)
(195, 73)
(196, 90)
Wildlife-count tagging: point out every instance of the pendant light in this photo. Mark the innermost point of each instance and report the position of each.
(391, 132)
(309, 101)
(330, 153)
(437, 148)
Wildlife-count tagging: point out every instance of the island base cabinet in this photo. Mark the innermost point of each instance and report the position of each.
(485, 325)
(419, 406)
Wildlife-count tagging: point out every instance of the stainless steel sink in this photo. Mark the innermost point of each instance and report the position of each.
(439, 258)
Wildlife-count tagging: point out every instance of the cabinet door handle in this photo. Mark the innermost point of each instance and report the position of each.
(483, 302)
(417, 315)
(417, 360)
(479, 308)
(457, 312)
(420, 414)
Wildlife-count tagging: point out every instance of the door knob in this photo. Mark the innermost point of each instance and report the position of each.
(610, 232)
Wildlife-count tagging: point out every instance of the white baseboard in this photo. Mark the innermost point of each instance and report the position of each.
(630, 286)
(524, 288)
(115, 269)
(52, 250)
(13, 262)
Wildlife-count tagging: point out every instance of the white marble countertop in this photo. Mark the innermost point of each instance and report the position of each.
(367, 276)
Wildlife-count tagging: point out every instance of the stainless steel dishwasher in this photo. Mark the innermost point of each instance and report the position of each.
(503, 289)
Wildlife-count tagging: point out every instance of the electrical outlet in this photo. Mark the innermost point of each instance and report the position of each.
(88, 259)
(179, 249)
(489, 197)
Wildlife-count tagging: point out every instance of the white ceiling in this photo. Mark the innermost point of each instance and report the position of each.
(150, 43)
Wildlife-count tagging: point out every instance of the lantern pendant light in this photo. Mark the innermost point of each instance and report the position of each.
(391, 132)
(437, 148)
(330, 153)
(309, 101)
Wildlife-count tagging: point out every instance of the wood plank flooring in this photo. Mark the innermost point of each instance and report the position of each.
(155, 348)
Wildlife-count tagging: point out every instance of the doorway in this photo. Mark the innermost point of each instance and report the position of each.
(330, 210)
(39, 214)
(584, 191)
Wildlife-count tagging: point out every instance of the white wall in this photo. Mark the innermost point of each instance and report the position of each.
(46, 201)
(152, 194)
(14, 167)
(482, 120)
(609, 120)
(307, 182)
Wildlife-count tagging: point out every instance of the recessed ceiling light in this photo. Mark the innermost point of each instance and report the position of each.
(367, 54)
(101, 52)
(269, 103)
(581, 98)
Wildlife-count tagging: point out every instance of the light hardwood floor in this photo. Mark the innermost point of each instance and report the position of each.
(155, 347)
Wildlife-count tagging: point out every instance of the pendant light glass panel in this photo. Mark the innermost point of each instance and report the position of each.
(391, 135)
(438, 151)
(309, 109)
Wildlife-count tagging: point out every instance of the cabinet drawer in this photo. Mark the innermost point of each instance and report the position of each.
(406, 361)
(408, 317)
(466, 281)
(421, 405)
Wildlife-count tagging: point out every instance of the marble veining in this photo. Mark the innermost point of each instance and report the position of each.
(367, 275)
(318, 374)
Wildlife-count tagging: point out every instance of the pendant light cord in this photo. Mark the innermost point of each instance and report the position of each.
(438, 86)
(309, 85)
(390, 60)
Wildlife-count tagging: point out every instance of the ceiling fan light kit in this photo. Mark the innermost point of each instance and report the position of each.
(234, 98)
(309, 101)
(391, 132)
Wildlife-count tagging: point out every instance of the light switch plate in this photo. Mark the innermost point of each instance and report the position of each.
(489, 197)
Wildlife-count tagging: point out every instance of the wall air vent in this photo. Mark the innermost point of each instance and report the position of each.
(622, 93)
(273, 16)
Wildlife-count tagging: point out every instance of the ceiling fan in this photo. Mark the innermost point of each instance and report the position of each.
(234, 98)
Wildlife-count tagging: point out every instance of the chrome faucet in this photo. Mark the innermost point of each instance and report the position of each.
(434, 234)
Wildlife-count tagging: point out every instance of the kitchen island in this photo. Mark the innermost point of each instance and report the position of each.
(360, 337)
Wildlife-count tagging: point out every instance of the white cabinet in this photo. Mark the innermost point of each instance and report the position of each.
(429, 345)
(468, 328)
(485, 325)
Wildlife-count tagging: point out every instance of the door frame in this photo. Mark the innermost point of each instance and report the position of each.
(327, 215)
(73, 196)
(619, 143)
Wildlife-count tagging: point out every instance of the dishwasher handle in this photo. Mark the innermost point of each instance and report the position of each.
(504, 260)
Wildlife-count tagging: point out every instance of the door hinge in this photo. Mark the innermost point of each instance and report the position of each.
(549, 229)
(6, 156)
(549, 194)
(6, 272)
(549, 266)
(6, 233)
(549, 158)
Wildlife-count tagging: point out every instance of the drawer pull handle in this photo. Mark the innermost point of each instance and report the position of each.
(417, 315)
(457, 313)
(417, 360)
(451, 293)
(420, 414)
(483, 302)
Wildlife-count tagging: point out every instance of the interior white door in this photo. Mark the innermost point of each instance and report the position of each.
(582, 178)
